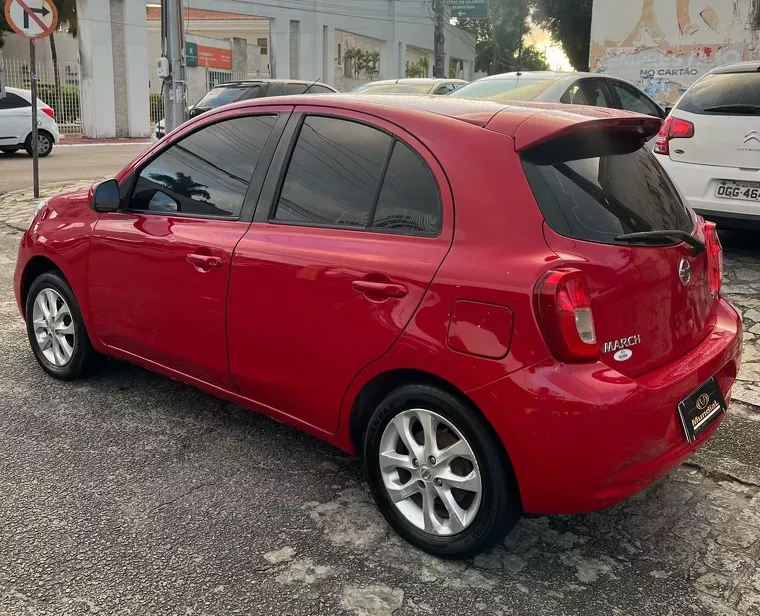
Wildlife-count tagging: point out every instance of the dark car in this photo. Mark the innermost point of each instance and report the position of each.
(235, 91)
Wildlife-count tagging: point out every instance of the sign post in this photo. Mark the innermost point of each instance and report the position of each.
(33, 19)
(469, 9)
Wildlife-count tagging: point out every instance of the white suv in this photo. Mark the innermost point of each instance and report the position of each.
(16, 123)
(710, 145)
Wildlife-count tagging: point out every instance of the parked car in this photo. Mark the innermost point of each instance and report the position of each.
(243, 90)
(411, 86)
(710, 145)
(16, 123)
(551, 342)
(595, 89)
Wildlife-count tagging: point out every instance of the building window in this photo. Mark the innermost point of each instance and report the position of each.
(340, 54)
(755, 14)
(262, 42)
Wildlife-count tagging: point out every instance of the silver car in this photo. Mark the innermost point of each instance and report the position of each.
(411, 86)
(593, 89)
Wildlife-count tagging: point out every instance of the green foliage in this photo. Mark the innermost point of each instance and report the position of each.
(357, 61)
(156, 107)
(569, 23)
(532, 59)
(418, 69)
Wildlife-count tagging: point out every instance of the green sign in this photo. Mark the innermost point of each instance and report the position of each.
(191, 54)
(469, 9)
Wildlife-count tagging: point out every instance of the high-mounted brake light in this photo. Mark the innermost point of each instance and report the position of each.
(564, 305)
(49, 111)
(672, 128)
(714, 251)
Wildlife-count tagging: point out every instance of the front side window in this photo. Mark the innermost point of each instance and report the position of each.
(590, 92)
(631, 100)
(343, 173)
(207, 173)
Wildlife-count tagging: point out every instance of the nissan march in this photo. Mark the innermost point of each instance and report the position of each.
(501, 308)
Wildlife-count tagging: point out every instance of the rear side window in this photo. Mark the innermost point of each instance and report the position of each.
(347, 174)
(295, 88)
(598, 198)
(225, 95)
(13, 101)
(728, 94)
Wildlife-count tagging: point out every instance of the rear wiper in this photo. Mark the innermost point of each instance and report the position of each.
(735, 108)
(697, 246)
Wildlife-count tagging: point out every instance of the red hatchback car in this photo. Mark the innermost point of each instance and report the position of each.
(501, 308)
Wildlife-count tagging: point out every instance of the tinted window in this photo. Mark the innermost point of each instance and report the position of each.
(446, 88)
(295, 88)
(207, 173)
(599, 198)
(315, 89)
(631, 100)
(13, 101)
(409, 199)
(590, 92)
(394, 88)
(333, 174)
(507, 89)
(730, 94)
(230, 94)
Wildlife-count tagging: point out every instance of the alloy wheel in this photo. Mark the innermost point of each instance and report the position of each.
(43, 144)
(53, 327)
(430, 472)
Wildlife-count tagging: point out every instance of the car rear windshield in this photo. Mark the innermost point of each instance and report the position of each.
(394, 88)
(230, 94)
(508, 89)
(600, 197)
(724, 94)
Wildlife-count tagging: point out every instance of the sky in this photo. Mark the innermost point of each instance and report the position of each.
(554, 54)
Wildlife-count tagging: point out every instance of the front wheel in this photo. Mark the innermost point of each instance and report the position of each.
(56, 330)
(438, 473)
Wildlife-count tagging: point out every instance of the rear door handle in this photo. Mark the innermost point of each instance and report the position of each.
(204, 262)
(380, 289)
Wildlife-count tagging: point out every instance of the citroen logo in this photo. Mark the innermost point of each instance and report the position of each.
(702, 402)
(752, 135)
(684, 272)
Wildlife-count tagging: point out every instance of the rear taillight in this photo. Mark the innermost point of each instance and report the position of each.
(565, 308)
(49, 111)
(714, 258)
(673, 128)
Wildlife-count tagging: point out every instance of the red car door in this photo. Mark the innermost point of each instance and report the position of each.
(353, 222)
(159, 268)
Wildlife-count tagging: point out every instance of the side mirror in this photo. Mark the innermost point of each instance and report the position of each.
(107, 198)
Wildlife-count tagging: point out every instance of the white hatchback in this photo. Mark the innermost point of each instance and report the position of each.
(16, 123)
(710, 145)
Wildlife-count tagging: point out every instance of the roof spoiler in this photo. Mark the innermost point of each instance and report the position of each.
(543, 127)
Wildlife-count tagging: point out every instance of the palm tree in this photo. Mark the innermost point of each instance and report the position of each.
(182, 185)
(374, 59)
(67, 12)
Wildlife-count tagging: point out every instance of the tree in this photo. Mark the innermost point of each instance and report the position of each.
(182, 184)
(569, 23)
(498, 39)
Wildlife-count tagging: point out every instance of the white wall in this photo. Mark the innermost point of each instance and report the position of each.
(663, 46)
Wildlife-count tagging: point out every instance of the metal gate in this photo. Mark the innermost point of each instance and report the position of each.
(65, 98)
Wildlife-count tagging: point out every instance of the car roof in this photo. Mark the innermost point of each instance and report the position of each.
(243, 82)
(752, 66)
(411, 80)
(542, 75)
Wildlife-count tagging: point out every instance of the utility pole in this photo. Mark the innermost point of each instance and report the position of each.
(438, 9)
(171, 65)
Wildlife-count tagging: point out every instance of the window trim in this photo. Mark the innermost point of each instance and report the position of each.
(634, 91)
(255, 184)
(265, 213)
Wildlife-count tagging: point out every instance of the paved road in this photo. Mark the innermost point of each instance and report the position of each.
(66, 163)
(132, 494)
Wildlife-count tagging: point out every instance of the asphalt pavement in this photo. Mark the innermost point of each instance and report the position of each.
(66, 163)
(132, 494)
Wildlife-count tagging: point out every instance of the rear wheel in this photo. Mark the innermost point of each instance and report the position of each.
(438, 474)
(56, 330)
(44, 144)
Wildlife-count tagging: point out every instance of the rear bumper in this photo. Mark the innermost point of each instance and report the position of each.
(698, 184)
(584, 437)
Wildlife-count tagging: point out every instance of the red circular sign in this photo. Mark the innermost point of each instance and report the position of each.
(32, 19)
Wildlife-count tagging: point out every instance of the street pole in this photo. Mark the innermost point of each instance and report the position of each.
(438, 70)
(172, 41)
(35, 150)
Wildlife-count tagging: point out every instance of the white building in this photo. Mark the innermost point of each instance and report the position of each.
(663, 46)
(119, 42)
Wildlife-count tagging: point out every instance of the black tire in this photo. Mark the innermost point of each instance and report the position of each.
(45, 141)
(83, 360)
(500, 505)
(9, 150)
